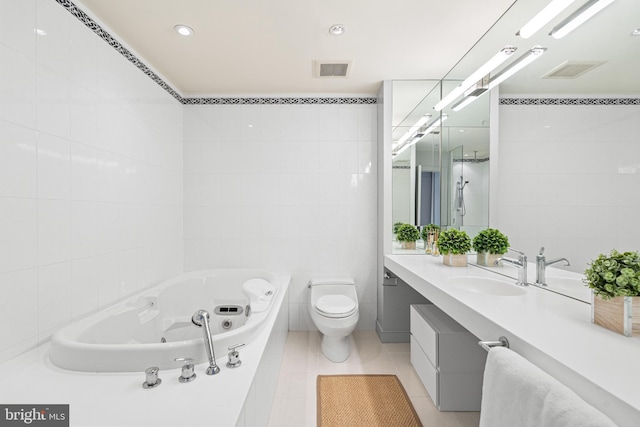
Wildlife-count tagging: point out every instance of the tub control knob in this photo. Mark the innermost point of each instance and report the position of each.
(187, 374)
(152, 379)
(234, 356)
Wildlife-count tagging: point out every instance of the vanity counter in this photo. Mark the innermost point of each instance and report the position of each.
(551, 330)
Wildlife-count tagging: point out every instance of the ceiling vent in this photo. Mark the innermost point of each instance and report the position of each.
(332, 68)
(571, 69)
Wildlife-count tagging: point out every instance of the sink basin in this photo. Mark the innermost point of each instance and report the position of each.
(486, 285)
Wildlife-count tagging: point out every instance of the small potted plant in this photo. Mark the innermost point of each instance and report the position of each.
(454, 245)
(615, 282)
(490, 244)
(396, 226)
(429, 234)
(407, 236)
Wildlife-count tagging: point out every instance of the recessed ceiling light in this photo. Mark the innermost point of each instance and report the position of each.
(337, 29)
(636, 32)
(183, 30)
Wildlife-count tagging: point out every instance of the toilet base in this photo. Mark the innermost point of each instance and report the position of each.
(336, 349)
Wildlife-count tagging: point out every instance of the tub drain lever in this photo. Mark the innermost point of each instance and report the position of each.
(234, 356)
(187, 374)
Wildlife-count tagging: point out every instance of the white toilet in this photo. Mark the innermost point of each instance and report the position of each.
(333, 304)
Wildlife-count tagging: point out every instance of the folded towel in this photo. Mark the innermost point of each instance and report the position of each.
(517, 393)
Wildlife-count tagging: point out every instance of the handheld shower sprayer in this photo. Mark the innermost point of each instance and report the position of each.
(201, 319)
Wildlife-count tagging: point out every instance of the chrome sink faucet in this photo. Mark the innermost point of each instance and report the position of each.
(541, 266)
(520, 263)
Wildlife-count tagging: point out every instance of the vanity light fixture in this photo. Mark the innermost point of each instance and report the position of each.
(463, 102)
(183, 30)
(517, 65)
(485, 69)
(578, 17)
(543, 17)
(419, 134)
(413, 129)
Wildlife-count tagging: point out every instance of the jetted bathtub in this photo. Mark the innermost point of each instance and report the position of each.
(154, 327)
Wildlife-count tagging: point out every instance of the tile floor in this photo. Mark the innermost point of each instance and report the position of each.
(295, 400)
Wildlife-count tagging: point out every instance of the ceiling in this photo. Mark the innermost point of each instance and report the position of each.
(259, 47)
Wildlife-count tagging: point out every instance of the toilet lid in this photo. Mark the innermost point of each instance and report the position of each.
(335, 305)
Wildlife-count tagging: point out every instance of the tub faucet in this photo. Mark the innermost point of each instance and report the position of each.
(541, 266)
(520, 263)
(201, 319)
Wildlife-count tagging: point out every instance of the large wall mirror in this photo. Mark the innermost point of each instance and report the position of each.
(565, 153)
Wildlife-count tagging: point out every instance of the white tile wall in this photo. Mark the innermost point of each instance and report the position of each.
(287, 188)
(90, 174)
(569, 179)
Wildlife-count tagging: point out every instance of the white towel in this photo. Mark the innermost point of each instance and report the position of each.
(517, 393)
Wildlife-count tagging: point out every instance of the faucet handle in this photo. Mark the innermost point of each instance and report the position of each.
(234, 356)
(151, 379)
(541, 251)
(187, 374)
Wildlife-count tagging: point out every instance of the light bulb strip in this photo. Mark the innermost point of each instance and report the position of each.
(526, 59)
(418, 136)
(543, 17)
(579, 17)
(485, 69)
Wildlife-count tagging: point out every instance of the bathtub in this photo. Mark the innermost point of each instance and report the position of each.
(154, 327)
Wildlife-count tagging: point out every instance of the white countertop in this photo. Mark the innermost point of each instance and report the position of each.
(550, 330)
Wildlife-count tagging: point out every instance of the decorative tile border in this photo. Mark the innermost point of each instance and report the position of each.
(569, 101)
(279, 100)
(104, 35)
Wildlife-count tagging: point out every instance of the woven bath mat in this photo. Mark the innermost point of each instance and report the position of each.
(364, 400)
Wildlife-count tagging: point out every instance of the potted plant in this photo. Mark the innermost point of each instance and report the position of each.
(429, 234)
(396, 226)
(407, 236)
(615, 282)
(454, 245)
(490, 244)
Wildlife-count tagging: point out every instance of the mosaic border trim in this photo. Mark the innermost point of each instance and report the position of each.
(278, 100)
(569, 101)
(104, 35)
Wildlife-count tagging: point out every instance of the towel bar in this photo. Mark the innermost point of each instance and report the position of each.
(502, 342)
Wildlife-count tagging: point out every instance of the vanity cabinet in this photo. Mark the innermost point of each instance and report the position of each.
(447, 358)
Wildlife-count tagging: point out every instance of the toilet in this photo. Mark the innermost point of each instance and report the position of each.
(333, 305)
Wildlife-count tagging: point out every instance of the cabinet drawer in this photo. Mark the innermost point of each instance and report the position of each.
(427, 373)
(426, 337)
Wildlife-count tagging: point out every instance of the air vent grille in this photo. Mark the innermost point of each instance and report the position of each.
(332, 68)
(571, 69)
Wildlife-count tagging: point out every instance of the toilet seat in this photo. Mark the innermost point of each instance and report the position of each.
(335, 306)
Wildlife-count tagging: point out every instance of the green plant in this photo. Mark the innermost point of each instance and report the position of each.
(396, 226)
(616, 275)
(492, 241)
(408, 233)
(454, 241)
(428, 228)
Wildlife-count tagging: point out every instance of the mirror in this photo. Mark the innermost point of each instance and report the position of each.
(444, 178)
(565, 161)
